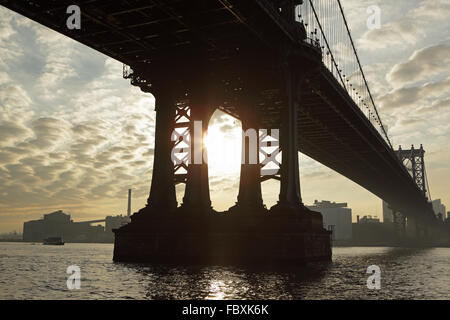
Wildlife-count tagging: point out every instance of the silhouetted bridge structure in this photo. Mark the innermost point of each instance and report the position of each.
(281, 64)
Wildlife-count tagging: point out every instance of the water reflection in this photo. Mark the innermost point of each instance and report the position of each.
(218, 282)
(344, 278)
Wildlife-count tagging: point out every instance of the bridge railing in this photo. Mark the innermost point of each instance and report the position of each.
(325, 22)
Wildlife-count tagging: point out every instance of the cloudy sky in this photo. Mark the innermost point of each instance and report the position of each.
(75, 136)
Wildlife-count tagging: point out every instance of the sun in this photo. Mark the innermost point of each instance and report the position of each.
(223, 142)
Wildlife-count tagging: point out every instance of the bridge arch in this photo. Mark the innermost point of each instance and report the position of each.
(224, 144)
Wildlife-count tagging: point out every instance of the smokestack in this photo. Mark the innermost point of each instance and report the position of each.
(129, 203)
(357, 219)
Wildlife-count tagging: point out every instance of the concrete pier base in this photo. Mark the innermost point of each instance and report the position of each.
(221, 239)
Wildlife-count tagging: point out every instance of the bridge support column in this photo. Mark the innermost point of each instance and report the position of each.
(418, 231)
(289, 196)
(399, 222)
(403, 225)
(196, 198)
(249, 201)
(425, 232)
(162, 198)
(290, 201)
(411, 227)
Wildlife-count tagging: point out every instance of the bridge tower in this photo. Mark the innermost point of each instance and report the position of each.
(414, 161)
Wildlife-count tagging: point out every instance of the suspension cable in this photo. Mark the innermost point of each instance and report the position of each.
(362, 72)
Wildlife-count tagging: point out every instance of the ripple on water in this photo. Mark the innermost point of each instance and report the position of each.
(39, 272)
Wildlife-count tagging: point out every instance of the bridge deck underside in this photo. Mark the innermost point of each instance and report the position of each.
(134, 31)
(332, 130)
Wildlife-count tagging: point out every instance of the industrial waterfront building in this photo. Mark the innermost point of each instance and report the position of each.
(59, 224)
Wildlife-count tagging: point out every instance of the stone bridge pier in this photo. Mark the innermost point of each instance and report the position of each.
(247, 233)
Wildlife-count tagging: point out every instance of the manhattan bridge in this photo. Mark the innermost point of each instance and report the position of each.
(290, 65)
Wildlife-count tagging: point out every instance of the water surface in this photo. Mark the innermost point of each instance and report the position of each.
(34, 271)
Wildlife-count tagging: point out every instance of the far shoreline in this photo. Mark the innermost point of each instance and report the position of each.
(334, 245)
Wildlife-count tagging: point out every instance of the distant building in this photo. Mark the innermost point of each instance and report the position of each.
(368, 219)
(114, 222)
(59, 224)
(370, 231)
(11, 236)
(53, 224)
(439, 209)
(336, 218)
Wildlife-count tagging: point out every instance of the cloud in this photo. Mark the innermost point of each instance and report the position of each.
(10, 131)
(4, 78)
(10, 50)
(48, 132)
(432, 9)
(58, 51)
(7, 157)
(411, 121)
(317, 174)
(14, 104)
(423, 64)
(398, 33)
(414, 96)
(436, 106)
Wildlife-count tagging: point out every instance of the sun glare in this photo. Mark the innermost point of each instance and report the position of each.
(223, 143)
